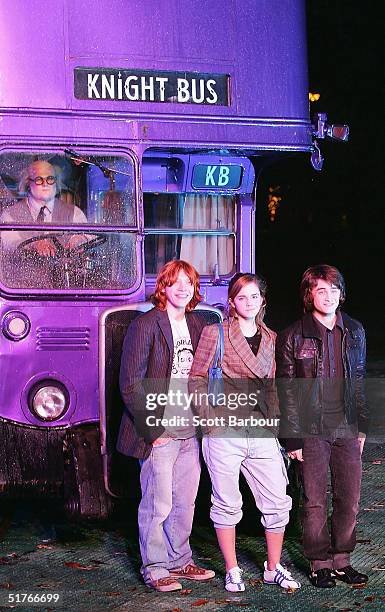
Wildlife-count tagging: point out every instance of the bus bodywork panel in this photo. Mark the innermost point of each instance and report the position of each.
(62, 346)
(133, 49)
(173, 132)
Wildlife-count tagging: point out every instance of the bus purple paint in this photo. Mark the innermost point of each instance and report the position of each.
(156, 119)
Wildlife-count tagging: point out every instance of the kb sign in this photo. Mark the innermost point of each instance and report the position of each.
(217, 177)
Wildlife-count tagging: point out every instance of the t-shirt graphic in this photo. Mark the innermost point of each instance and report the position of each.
(183, 358)
(181, 366)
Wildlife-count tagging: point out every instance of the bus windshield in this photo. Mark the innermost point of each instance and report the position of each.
(57, 193)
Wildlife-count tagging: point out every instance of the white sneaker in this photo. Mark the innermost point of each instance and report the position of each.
(233, 580)
(280, 576)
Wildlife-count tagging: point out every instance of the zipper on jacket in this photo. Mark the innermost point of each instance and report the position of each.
(319, 351)
(345, 360)
(347, 372)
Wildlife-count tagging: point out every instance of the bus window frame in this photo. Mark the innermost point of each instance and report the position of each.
(163, 231)
(82, 149)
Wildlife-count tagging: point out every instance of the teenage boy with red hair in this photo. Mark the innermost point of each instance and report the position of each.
(170, 466)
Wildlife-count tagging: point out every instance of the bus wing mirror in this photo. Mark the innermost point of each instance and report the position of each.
(337, 132)
(321, 130)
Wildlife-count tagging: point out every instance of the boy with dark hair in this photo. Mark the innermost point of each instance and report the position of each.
(324, 420)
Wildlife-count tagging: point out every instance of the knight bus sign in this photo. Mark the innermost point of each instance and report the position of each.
(151, 86)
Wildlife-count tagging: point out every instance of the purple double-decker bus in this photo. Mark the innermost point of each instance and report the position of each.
(146, 125)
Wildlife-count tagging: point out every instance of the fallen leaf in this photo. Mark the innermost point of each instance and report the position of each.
(290, 591)
(79, 566)
(8, 560)
(13, 558)
(113, 594)
(364, 541)
(44, 546)
(200, 602)
(185, 592)
(359, 586)
(235, 601)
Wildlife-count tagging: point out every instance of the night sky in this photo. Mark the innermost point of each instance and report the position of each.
(335, 216)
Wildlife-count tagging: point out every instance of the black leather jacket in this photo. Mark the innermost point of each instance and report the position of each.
(299, 356)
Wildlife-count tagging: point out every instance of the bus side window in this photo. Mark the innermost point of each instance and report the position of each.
(210, 253)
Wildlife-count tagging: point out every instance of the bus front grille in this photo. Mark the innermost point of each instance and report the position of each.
(62, 339)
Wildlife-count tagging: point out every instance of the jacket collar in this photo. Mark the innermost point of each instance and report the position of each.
(259, 364)
(310, 328)
(165, 326)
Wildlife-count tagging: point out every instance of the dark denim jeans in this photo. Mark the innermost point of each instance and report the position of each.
(322, 548)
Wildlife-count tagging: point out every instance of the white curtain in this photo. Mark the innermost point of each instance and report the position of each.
(204, 252)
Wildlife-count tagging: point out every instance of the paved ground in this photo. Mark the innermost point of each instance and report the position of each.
(93, 568)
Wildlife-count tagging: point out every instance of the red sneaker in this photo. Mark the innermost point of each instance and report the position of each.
(192, 572)
(165, 585)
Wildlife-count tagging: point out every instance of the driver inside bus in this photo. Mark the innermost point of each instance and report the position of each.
(41, 182)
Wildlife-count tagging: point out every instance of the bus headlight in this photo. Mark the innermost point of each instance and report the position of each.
(15, 325)
(49, 402)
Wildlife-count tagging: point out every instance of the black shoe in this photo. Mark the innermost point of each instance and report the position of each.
(349, 575)
(322, 578)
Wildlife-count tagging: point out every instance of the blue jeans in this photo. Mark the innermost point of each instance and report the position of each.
(342, 455)
(169, 480)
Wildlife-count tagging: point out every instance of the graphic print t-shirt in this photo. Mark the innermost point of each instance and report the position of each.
(181, 366)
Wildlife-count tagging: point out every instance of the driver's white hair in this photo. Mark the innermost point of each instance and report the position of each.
(24, 176)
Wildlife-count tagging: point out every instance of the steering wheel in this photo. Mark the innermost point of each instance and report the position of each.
(65, 262)
(52, 236)
(87, 245)
(60, 250)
